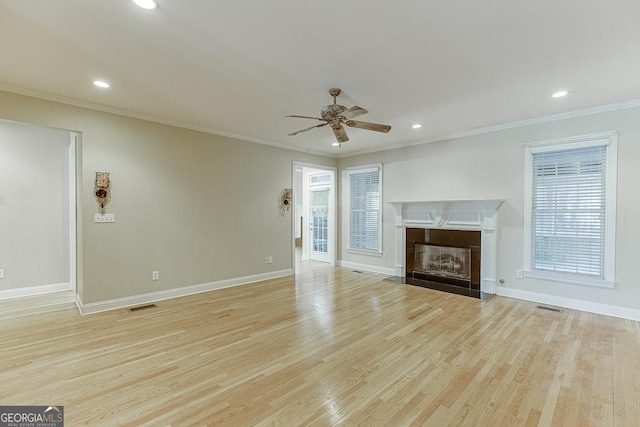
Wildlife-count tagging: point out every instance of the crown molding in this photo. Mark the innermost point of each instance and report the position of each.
(505, 126)
(478, 131)
(131, 114)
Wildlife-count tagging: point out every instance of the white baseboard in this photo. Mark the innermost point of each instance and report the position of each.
(367, 267)
(34, 290)
(113, 304)
(591, 307)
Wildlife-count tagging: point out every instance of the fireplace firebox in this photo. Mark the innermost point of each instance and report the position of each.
(449, 264)
(444, 259)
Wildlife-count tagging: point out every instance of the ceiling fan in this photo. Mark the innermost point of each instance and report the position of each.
(336, 115)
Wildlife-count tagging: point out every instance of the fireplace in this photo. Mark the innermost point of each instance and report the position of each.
(450, 264)
(450, 258)
(448, 245)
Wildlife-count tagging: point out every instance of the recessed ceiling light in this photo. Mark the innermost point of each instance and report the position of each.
(101, 84)
(560, 94)
(146, 4)
(416, 126)
(336, 144)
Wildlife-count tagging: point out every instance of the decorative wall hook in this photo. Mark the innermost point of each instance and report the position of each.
(102, 190)
(285, 199)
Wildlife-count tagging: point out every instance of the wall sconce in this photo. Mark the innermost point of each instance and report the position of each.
(285, 199)
(102, 190)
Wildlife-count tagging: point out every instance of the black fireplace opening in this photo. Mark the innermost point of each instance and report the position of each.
(446, 260)
(442, 263)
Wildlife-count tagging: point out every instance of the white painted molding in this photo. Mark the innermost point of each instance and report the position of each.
(504, 126)
(479, 215)
(574, 304)
(367, 267)
(127, 113)
(35, 290)
(114, 304)
(479, 131)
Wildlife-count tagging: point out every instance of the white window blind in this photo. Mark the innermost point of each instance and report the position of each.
(568, 218)
(365, 209)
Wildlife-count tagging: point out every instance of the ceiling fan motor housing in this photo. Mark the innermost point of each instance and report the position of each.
(332, 111)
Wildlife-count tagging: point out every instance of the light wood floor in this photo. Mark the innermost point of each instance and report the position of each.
(333, 347)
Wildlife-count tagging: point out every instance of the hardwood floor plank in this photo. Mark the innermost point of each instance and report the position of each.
(328, 347)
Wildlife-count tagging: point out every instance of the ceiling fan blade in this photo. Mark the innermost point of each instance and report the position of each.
(368, 126)
(309, 128)
(306, 117)
(354, 111)
(341, 134)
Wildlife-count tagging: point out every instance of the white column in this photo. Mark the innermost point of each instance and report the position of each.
(401, 247)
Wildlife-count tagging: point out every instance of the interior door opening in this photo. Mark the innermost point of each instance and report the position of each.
(314, 221)
(38, 169)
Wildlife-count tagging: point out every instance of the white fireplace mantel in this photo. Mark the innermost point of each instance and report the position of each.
(480, 215)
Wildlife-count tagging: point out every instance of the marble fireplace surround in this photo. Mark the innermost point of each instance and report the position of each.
(478, 215)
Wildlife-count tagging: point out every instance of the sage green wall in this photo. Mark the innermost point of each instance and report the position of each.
(491, 165)
(198, 207)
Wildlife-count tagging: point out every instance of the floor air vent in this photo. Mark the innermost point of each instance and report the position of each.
(142, 307)
(557, 310)
(356, 271)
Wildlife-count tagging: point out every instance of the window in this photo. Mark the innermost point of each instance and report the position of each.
(365, 199)
(570, 210)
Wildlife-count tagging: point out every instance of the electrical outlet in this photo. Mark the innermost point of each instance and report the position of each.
(155, 275)
(1, 273)
(268, 260)
(519, 274)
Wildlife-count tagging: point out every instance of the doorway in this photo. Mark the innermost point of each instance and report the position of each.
(38, 211)
(314, 224)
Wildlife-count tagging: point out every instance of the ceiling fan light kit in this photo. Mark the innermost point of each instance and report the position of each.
(336, 115)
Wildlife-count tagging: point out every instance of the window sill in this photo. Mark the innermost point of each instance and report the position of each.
(566, 278)
(365, 252)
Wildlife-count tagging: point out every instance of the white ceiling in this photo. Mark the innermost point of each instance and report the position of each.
(238, 67)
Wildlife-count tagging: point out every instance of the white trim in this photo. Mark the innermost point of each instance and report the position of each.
(479, 215)
(574, 304)
(149, 118)
(574, 279)
(346, 199)
(333, 210)
(364, 252)
(364, 169)
(479, 131)
(366, 267)
(114, 304)
(73, 183)
(35, 290)
(79, 257)
(608, 139)
(571, 142)
(504, 126)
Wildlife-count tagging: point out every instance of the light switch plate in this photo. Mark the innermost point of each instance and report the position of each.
(105, 218)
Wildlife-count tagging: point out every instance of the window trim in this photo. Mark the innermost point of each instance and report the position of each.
(347, 187)
(610, 141)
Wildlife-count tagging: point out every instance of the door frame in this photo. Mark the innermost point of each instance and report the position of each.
(316, 255)
(333, 216)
